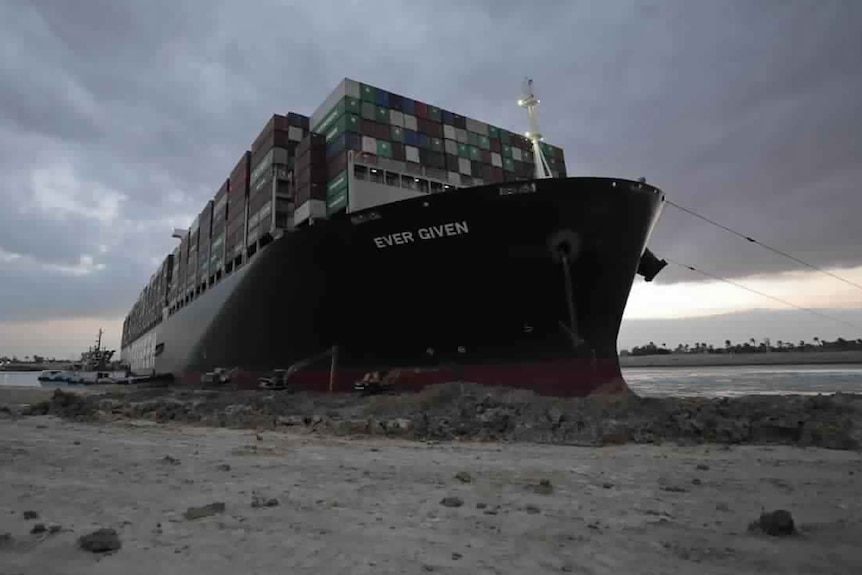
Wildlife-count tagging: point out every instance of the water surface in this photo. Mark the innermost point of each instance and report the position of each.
(715, 381)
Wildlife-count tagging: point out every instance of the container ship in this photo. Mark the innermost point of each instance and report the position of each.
(382, 234)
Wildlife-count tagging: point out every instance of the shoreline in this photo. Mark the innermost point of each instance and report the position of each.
(743, 359)
(365, 505)
(470, 412)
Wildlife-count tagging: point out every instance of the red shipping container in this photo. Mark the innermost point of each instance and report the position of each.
(398, 151)
(368, 128)
(239, 176)
(420, 109)
(486, 156)
(497, 174)
(381, 131)
(336, 164)
(430, 127)
(275, 124)
(495, 146)
(310, 141)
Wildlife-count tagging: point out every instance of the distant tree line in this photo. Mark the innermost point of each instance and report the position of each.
(750, 346)
(28, 359)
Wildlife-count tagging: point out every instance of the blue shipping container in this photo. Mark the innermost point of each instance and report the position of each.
(422, 140)
(410, 138)
(407, 104)
(349, 140)
(336, 145)
(382, 98)
(448, 118)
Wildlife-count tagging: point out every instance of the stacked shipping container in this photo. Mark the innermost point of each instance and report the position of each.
(218, 231)
(408, 136)
(237, 201)
(308, 184)
(272, 159)
(291, 174)
(147, 311)
(205, 220)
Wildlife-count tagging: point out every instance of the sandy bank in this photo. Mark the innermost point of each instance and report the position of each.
(373, 505)
(468, 411)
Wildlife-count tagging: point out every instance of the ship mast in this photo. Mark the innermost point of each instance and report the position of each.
(531, 103)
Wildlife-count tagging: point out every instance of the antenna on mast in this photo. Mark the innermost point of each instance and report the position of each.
(531, 103)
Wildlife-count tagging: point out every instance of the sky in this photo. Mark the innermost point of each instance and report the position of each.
(120, 119)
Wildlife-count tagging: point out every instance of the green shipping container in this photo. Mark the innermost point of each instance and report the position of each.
(397, 134)
(463, 151)
(368, 93)
(475, 154)
(509, 164)
(352, 105)
(346, 123)
(507, 151)
(484, 142)
(504, 137)
(434, 114)
(327, 121)
(493, 132)
(472, 139)
(383, 115)
(369, 111)
(384, 149)
(436, 144)
(336, 191)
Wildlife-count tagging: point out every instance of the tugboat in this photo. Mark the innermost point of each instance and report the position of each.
(96, 367)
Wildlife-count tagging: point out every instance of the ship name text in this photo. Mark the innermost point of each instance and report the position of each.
(428, 233)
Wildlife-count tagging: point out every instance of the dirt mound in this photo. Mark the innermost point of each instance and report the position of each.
(470, 411)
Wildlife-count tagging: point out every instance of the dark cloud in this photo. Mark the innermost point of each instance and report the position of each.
(134, 112)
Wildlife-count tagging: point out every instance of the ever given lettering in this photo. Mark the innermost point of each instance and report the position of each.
(428, 233)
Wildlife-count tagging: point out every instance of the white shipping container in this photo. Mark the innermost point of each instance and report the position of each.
(410, 122)
(351, 88)
(496, 160)
(516, 154)
(464, 166)
(265, 210)
(396, 118)
(331, 100)
(294, 133)
(448, 132)
(455, 178)
(475, 127)
(411, 153)
(461, 135)
(369, 144)
(451, 147)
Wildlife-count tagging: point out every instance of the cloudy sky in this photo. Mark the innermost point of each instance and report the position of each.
(119, 119)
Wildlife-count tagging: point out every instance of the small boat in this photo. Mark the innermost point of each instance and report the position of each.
(52, 375)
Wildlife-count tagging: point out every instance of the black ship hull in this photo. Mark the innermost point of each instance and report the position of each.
(521, 285)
